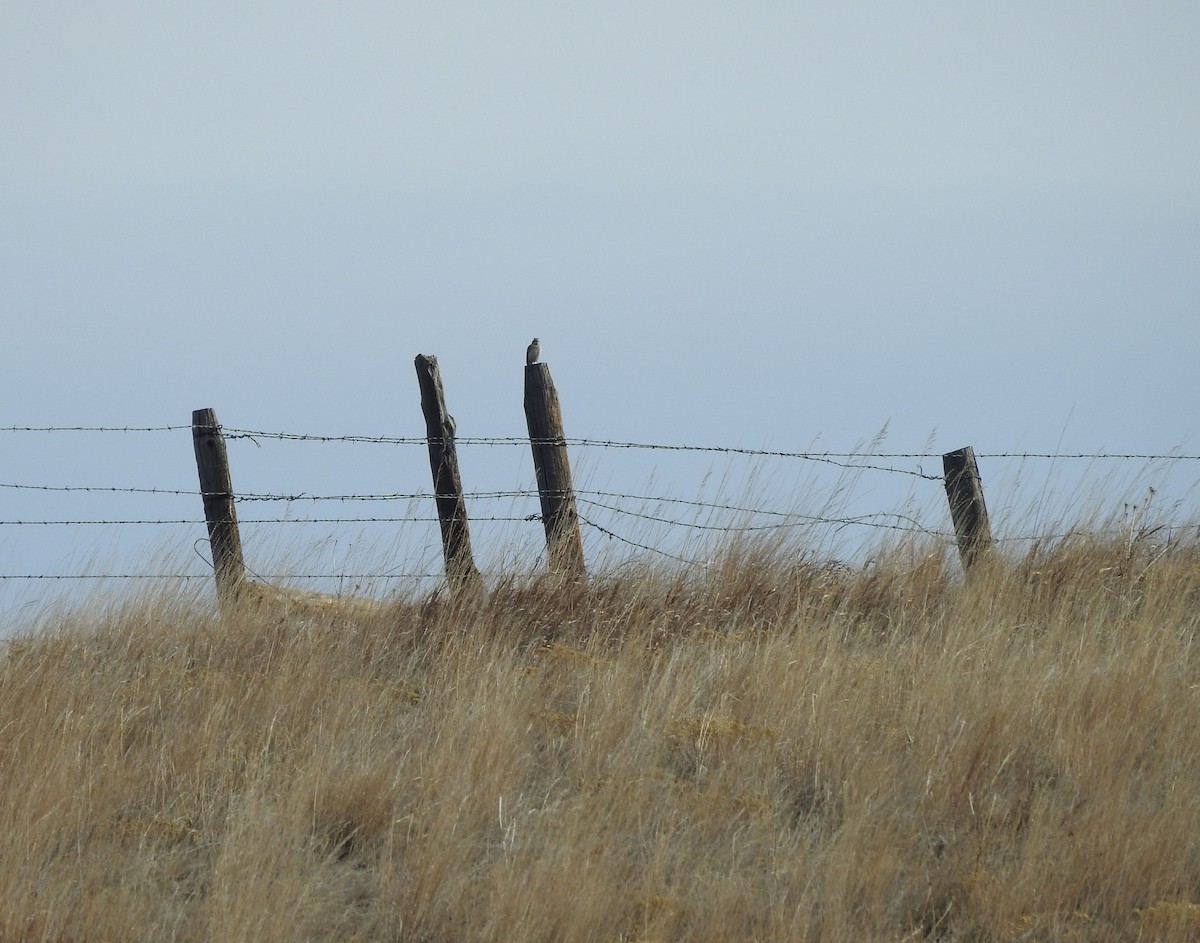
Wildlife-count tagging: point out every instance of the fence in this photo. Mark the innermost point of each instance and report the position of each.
(563, 509)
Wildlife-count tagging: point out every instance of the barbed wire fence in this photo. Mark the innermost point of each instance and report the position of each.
(614, 515)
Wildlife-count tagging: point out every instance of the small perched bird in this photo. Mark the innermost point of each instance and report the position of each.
(533, 353)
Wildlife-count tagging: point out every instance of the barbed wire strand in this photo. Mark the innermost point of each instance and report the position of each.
(254, 496)
(832, 458)
(633, 543)
(791, 520)
(238, 433)
(208, 576)
(270, 520)
(93, 428)
(102, 488)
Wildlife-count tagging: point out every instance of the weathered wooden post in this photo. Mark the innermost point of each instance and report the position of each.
(216, 490)
(964, 490)
(461, 571)
(559, 517)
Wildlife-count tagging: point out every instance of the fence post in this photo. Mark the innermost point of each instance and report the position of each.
(544, 418)
(216, 490)
(964, 490)
(461, 571)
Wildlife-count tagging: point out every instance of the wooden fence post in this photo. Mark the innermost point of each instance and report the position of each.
(461, 571)
(964, 490)
(216, 489)
(544, 418)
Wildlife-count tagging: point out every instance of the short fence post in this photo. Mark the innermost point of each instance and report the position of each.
(559, 517)
(461, 571)
(216, 490)
(964, 490)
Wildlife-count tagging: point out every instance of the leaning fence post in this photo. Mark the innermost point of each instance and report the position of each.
(216, 489)
(559, 517)
(447, 484)
(964, 490)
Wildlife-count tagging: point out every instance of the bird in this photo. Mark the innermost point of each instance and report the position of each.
(533, 353)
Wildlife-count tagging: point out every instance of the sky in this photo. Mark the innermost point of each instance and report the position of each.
(770, 226)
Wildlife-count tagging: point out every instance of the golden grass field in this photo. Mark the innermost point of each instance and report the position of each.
(777, 750)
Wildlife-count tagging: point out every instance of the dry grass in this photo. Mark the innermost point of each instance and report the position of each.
(775, 751)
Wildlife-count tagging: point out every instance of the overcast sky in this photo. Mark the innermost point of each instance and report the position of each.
(770, 225)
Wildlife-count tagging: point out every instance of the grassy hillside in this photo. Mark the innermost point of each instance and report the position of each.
(775, 751)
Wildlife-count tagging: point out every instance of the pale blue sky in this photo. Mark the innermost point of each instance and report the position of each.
(761, 224)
